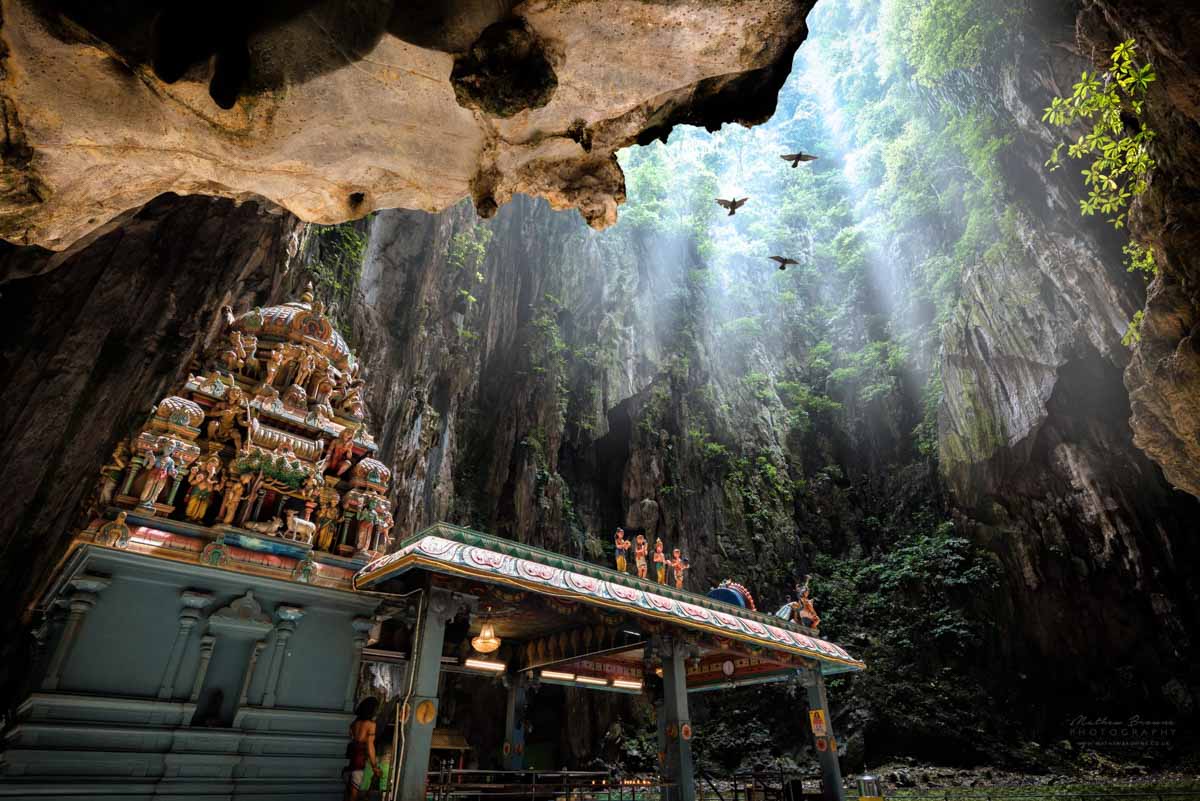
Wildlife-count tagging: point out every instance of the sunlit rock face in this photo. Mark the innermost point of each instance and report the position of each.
(1035, 439)
(332, 108)
(1163, 377)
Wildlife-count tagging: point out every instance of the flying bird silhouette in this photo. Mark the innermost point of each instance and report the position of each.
(796, 158)
(783, 261)
(732, 205)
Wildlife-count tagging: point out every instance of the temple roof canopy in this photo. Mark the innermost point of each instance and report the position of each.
(534, 595)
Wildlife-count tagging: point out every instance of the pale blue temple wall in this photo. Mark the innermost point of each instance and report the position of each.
(105, 733)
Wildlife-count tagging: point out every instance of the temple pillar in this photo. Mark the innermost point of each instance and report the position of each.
(87, 589)
(175, 484)
(419, 713)
(826, 744)
(255, 653)
(135, 467)
(362, 630)
(207, 644)
(287, 617)
(514, 722)
(193, 605)
(680, 774)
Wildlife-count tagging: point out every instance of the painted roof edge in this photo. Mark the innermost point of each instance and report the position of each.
(456, 550)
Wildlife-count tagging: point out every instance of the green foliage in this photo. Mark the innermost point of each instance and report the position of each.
(1140, 259)
(1133, 333)
(335, 264)
(468, 249)
(938, 37)
(1119, 153)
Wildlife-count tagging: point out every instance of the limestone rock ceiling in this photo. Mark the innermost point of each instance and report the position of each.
(333, 108)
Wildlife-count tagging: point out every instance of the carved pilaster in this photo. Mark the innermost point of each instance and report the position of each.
(362, 631)
(86, 592)
(287, 617)
(207, 644)
(194, 604)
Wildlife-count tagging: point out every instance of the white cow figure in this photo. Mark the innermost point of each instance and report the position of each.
(300, 529)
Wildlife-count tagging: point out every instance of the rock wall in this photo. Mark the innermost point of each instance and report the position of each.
(1163, 377)
(90, 347)
(1035, 433)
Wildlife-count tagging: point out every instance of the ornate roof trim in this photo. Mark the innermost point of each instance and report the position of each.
(444, 548)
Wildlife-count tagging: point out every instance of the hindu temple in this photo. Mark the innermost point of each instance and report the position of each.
(208, 630)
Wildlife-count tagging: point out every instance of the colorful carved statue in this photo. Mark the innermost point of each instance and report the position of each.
(160, 469)
(352, 403)
(341, 451)
(328, 515)
(805, 612)
(110, 474)
(640, 551)
(622, 545)
(383, 530)
(274, 362)
(305, 366)
(115, 532)
(203, 480)
(660, 561)
(235, 488)
(678, 566)
(223, 426)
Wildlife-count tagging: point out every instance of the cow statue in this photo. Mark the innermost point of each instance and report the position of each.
(299, 529)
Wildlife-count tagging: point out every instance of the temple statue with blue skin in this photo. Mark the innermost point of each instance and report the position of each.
(206, 633)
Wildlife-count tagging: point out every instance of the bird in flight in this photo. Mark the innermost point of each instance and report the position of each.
(732, 205)
(783, 261)
(796, 158)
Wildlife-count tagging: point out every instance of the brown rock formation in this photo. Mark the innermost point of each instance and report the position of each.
(1163, 377)
(331, 112)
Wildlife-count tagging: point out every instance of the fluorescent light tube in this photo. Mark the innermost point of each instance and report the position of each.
(483, 665)
(554, 675)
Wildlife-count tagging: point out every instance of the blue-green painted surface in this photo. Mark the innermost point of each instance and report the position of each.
(103, 732)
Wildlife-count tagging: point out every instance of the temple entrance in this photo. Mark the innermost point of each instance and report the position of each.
(479, 606)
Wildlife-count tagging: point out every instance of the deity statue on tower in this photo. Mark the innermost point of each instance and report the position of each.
(678, 565)
(204, 481)
(622, 545)
(639, 555)
(660, 561)
(160, 469)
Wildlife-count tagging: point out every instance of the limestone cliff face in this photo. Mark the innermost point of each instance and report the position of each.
(1163, 377)
(331, 109)
(1035, 426)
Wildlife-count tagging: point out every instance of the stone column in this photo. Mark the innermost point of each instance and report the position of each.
(207, 644)
(87, 589)
(826, 744)
(362, 629)
(287, 616)
(193, 604)
(514, 722)
(135, 467)
(259, 645)
(680, 775)
(175, 484)
(419, 713)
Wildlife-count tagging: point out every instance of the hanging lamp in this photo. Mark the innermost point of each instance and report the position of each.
(487, 641)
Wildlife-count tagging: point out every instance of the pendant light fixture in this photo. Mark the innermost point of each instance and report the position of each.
(487, 641)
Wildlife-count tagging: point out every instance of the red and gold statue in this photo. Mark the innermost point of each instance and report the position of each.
(678, 565)
(639, 556)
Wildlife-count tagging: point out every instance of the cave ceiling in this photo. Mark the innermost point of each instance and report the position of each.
(333, 108)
